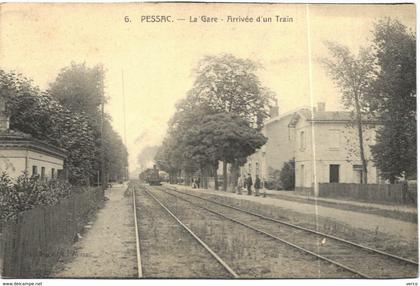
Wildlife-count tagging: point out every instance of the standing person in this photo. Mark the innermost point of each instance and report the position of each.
(198, 182)
(404, 188)
(245, 183)
(257, 185)
(249, 184)
(264, 183)
(240, 185)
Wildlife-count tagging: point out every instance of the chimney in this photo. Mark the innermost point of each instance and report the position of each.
(321, 106)
(274, 110)
(4, 116)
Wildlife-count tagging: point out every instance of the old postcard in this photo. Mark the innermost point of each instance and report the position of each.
(208, 140)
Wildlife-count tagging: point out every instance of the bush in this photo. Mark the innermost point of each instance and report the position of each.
(273, 181)
(287, 175)
(27, 192)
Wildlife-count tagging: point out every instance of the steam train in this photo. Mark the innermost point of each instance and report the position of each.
(151, 176)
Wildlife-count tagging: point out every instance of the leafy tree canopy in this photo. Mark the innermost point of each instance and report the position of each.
(393, 98)
(228, 84)
(80, 89)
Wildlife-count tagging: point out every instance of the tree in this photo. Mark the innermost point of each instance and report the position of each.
(168, 159)
(172, 156)
(393, 98)
(352, 75)
(287, 175)
(116, 155)
(225, 137)
(227, 91)
(226, 84)
(163, 163)
(81, 90)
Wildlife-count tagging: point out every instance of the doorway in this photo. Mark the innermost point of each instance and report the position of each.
(334, 173)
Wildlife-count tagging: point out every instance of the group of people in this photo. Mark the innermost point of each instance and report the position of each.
(246, 183)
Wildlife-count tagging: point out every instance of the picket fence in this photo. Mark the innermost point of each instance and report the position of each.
(32, 244)
(375, 193)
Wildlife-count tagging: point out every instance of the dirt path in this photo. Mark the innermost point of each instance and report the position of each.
(108, 249)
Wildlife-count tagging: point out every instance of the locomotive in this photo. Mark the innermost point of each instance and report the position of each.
(151, 176)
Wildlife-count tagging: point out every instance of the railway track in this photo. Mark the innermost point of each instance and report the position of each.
(361, 260)
(260, 254)
(184, 253)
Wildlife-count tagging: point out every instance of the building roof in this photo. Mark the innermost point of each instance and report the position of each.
(283, 115)
(328, 116)
(15, 139)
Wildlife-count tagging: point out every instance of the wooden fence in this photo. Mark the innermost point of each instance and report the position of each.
(32, 245)
(374, 193)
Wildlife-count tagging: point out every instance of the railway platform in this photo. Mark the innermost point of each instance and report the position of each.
(338, 203)
(107, 248)
(359, 217)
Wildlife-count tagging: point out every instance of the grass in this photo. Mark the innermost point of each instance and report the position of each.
(374, 239)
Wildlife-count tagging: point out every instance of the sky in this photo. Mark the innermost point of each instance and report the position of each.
(157, 59)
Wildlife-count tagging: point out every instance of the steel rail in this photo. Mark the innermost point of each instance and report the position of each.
(217, 257)
(306, 229)
(139, 264)
(362, 275)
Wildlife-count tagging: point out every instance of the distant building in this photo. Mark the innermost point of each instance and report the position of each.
(19, 152)
(323, 143)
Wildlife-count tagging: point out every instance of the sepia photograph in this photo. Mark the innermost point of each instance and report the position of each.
(208, 141)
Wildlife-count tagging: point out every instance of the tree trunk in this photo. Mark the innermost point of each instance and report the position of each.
(360, 133)
(178, 176)
(187, 179)
(204, 176)
(225, 177)
(201, 184)
(216, 180)
(234, 175)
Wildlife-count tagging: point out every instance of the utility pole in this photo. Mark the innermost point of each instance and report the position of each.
(125, 126)
(103, 177)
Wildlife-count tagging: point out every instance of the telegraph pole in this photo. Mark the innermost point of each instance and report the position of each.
(103, 177)
(125, 125)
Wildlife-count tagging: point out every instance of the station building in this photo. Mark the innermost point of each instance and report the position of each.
(324, 145)
(20, 152)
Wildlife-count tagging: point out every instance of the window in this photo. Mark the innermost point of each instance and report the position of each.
(52, 173)
(34, 170)
(302, 175)
(357, 174)
(42, 172)
(334, 173)
(249, 168)
(257, 168)
(302, 140)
